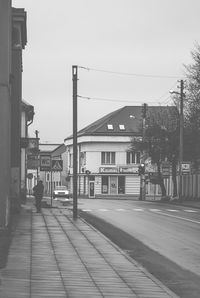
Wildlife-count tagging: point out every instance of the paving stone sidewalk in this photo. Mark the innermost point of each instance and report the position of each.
(53, 256)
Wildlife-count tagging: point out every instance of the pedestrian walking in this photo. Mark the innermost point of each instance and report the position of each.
(38, 190)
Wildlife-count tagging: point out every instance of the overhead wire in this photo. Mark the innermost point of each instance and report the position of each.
(115, 100)
(158, 101)
(130, 74)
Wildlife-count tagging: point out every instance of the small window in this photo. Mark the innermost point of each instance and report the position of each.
(132, 157)
(121, 127)
(110, 126)
(107, 158)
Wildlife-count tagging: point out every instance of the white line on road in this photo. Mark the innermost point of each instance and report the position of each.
(172, 210)
(120, 209)
(138, 209)
(189, 210)
(87, 210)
(103, 210)
(155, 210)
(179, 217)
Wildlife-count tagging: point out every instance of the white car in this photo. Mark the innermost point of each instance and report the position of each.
(61, 193)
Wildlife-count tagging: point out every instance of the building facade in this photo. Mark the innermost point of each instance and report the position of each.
(19, 40)
(107, 165)
(27, 114)
(12, 42)
(55, 177)
(5, 109)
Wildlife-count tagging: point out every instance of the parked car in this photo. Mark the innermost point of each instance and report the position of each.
(61, 193)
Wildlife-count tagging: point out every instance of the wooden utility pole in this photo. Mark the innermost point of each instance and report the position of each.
(36, 135)
(142, 174)
(181, 139)
(75, 79)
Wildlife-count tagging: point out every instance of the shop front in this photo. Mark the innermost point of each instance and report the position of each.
(118, 181)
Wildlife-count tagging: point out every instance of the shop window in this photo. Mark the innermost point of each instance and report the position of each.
(132, 157)
(104, 185)
(121, 185)
(107, 158)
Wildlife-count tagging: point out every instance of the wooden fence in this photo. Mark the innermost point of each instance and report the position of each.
(190, 186)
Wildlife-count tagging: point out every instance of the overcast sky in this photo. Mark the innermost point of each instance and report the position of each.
(133, 39)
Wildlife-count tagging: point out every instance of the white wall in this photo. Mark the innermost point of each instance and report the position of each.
(93, 154)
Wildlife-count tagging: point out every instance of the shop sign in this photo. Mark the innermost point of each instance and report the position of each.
(186, 167)
(108, 170)
(133, 169)
(32, 162)
(33, 146)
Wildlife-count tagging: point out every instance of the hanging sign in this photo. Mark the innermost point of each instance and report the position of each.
(45, 162)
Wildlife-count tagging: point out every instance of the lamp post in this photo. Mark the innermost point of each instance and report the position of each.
(181, 94)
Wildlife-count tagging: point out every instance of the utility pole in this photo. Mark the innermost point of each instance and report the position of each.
(181, 139)
(75, 79)
(142, 174)
(36, 135)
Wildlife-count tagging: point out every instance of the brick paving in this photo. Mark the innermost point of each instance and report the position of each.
(53, 256)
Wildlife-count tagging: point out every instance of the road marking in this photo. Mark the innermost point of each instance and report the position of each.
(179, 217)
(155, 210)
(120, 209)
(138, 209)
(172, 210)
(103, 210)
(189, 210)
(87, 210)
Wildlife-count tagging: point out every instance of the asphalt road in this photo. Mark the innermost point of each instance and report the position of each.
(172, 231)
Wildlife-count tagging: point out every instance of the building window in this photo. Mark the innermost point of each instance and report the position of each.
(107, 158)
(121, 127)
(82, 158)
(132, 157)
(110, 126)
(104, 184)
(121, 185)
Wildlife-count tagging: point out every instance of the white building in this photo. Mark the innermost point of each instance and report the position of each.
(106, 166)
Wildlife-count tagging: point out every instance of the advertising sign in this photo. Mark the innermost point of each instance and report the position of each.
(45, 162)
(32, 162)
(185, 167)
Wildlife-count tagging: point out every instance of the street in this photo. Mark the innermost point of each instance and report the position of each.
(172, 231)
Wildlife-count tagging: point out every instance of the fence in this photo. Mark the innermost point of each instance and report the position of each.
(190, 186)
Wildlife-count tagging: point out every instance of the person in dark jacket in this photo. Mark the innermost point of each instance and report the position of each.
(38, 191)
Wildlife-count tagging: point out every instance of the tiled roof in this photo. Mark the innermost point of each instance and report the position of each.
(125, 121)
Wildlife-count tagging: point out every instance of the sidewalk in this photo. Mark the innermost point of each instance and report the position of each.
(53, 256)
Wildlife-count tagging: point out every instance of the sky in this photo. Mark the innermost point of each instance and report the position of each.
(128, 52)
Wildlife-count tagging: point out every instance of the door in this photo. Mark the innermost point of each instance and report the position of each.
(91, 189)
(113, 185)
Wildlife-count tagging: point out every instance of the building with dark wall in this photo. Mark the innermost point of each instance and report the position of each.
(5, 109)
(19, 39)
(27, 114)
(12, 42)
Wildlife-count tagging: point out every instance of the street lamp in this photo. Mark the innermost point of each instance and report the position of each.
(181, 94)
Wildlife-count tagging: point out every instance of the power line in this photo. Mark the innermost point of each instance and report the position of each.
(115, 100)
(130, 74)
